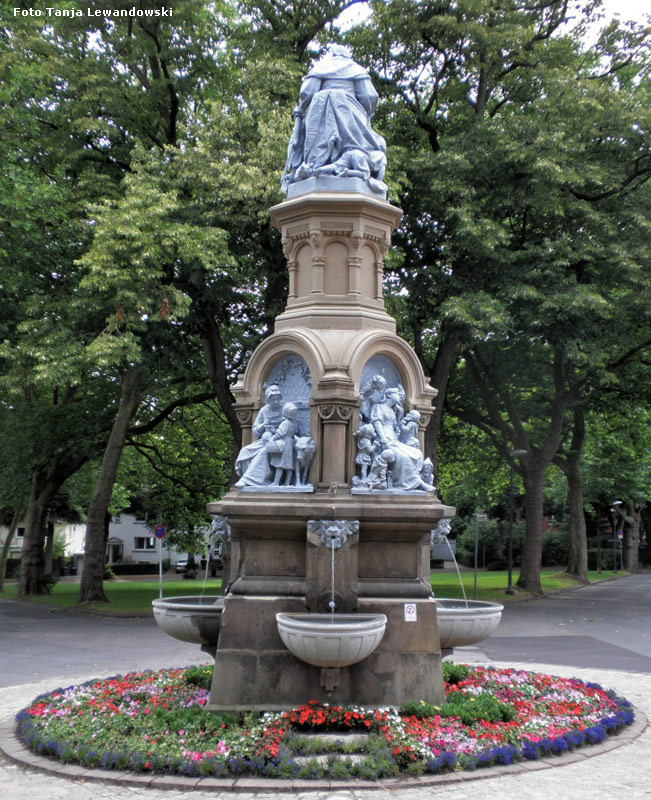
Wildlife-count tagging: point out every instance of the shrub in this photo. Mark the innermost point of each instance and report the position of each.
(134, 568)
(490, 553)
(556, 548)
(455, 673)
(199, 676)
(477, 707)
(418, 709)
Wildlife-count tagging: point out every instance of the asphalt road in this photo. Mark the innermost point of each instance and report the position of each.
(604, 626)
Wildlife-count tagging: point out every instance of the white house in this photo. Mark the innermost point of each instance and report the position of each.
(129, 539)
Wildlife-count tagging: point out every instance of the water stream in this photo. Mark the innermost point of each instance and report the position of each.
(440, 534)
(332, 583)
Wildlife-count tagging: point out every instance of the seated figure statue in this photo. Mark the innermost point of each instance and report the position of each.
(252, 464)
(332, 130)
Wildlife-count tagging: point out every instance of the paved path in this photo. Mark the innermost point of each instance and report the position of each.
(599, 633)
(601, 773)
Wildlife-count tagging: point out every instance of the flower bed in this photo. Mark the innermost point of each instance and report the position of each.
(156, 722)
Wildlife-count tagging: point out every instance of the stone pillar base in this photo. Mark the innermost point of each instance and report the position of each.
(254, 670)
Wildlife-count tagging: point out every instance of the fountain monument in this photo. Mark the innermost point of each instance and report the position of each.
(331, 515)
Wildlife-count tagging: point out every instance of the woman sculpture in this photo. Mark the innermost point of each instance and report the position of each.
(332, 130)
(252, 464)
(407, 460)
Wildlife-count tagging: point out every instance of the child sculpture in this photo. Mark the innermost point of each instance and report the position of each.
(280, 448)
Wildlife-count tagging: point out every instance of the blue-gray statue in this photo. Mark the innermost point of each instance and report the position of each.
(389, 457)
(332, 130)
(279, 459)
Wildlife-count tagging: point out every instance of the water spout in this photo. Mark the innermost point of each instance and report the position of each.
(439, 535)
(333, 533)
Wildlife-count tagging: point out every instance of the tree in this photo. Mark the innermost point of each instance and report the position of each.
(518, 205)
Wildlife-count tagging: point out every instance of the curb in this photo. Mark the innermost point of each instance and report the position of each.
(14, 751)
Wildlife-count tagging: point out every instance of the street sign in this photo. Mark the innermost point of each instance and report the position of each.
(160, 531)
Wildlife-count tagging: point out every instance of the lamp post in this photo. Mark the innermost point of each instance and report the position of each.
(512, 454)
(615, 538)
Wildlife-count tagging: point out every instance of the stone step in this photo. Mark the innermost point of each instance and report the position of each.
(324, 758)
(341, 736)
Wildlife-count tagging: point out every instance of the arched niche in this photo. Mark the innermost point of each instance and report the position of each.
(292, 375)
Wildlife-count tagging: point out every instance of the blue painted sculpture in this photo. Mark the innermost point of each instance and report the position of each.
(332, 131)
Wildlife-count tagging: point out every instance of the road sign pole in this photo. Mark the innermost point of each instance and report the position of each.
(159, 533)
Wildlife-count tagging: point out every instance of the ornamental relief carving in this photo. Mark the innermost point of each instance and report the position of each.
(244, 417)
(335, 412)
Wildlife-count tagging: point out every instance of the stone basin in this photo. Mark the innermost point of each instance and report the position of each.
(326, 640)
(194, 619)
(462, 622)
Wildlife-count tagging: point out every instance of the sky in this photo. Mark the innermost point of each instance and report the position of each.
(625, 9)
(628, 9)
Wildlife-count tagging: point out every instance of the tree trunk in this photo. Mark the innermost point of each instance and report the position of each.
(32, 561)
(91, 588)
(6, 547)
(532, 477)
(570, 465)
(631, 541)
(577, 565)
(446, 355)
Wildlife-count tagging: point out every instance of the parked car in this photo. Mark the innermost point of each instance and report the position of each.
(181, 565)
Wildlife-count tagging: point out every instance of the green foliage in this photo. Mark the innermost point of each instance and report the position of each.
(493, 543)
(455, 673)
(199, 675)
(483, 706)
(418, 708)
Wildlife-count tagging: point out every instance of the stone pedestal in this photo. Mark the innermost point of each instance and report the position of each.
(333, 333)
(278, 566)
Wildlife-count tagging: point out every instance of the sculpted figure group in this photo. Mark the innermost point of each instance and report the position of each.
(388, 450)
(332, 125)
(280, 456)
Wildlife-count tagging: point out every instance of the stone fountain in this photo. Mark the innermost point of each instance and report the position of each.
(333, 408)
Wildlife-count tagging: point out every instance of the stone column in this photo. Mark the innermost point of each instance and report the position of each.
(318, 262)
(245, 418)
(334, 419)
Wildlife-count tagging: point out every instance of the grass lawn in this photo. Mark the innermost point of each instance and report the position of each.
(125, 597)
(492, 585)
(134, 597)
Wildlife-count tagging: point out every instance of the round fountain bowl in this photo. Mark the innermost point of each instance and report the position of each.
(190, 619)
(461, 624)
(324, 640)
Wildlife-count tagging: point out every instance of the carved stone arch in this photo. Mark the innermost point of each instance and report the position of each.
(283, 344)
(419, 394)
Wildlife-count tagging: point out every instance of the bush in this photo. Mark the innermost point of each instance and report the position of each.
(555, 548)
(455, 673)
(418, 709)
(478, 707)
(131, 568)
(13, 568)
(51, 580)
(606, 558)
(489, 553)
(109, 574)
(199, 676)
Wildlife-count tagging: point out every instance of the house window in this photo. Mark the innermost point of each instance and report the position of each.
(145, 543)
(20, 532)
